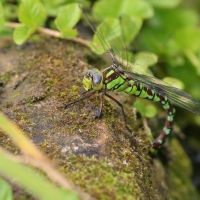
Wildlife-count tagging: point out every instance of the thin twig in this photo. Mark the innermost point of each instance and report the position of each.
(49, 32)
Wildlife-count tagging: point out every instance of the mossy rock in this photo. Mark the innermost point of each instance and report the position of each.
(99, 155)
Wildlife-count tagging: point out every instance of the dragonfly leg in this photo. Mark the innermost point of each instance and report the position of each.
(88, 95)
(85, 91)
(120, 105)
(101, 105)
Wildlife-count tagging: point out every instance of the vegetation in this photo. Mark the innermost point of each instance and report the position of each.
(167, 32)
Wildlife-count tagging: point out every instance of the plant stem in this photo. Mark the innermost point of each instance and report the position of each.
(49, 32)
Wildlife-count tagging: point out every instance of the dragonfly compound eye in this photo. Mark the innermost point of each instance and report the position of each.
(97, 81)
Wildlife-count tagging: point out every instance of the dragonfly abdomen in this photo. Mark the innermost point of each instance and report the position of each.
(115, 81)
(137, 89)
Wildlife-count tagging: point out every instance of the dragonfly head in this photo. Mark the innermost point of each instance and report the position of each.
(93, 80)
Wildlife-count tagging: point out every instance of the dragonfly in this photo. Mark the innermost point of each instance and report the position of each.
(119, 78)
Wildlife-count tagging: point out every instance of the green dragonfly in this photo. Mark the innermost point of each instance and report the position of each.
(119, 77)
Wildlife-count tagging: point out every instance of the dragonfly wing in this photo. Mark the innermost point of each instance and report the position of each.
(112, 38)
(175, 95)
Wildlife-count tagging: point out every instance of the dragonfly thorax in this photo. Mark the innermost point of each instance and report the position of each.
(93, 80)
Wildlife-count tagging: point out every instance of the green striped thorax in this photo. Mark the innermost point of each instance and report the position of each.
(93, 80)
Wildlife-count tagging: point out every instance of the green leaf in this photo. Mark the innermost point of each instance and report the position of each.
(140, 9)
(146, 59)
(70, 33)
(1, 16)
(175, 82)
(108, 31)
(68, 18)
(113, 8)
(56, 3)
(10, 11)
(5, 32)
(96, 47)
(140, 106)
(150, 111)
(105, 9)
(6, 191)
(22, 33)
(53, 7)
(188, 39)
(194, 59)
(31, 13)
(181, 18)
(130, 27)
(116, 33)
(142, 61)
(158, 36)
(165, 4)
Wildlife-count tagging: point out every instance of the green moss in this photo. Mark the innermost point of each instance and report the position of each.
(74, 88)
(9, 104)
(5, 76)
(51, 82)
(16, 95)
(63, 94)
(100, 179)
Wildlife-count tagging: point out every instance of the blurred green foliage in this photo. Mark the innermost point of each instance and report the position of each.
(6, 191)
(31, 180)
(70, 13)
(105, 9)
(146, 110)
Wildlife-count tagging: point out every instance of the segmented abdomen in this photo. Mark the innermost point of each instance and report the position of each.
(122, 83)
(137, 89)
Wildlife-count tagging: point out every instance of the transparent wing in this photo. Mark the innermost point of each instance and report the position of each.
(115, 32)
(175, 95)
(115, 36)
(112, 36)
(115, 41)
(104, 37)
